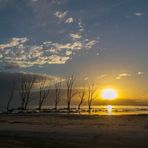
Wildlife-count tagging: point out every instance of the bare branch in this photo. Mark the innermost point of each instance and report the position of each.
(11, 96)
(81, 95)
(44, 92)
(91, 94)
(26, 88)
(57, 93)
(70, 83)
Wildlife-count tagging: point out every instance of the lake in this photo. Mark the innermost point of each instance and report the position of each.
(98, 110)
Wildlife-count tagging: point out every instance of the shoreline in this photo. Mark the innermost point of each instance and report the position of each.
(75, 131)
(73, 114)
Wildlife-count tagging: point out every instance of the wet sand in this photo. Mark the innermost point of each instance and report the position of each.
(73, 131)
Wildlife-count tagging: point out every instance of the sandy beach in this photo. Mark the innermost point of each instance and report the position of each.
(75, 131)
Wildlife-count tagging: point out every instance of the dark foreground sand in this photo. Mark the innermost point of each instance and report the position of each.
(73, 131)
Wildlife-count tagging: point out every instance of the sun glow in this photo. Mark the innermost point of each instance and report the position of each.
(109, 94)
(109, 108)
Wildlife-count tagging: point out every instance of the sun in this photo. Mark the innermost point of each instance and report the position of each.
(109, 94)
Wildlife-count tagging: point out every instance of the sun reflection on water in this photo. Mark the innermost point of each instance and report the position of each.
(109, 109)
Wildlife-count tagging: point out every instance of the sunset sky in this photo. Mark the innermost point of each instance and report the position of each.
(104, 41)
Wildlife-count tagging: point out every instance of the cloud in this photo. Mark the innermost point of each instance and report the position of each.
(34, 0)
(97, 53)
(123, 75)
(17, 53)
(86, 78)
(60, 14)
(140, 73)
(80, 24)
(68, 52)
(13, 43)
(22, 52)
(69, 20)
(102, 76)
(7, 78)
(139, 13)
(75, 36)
(89, 44)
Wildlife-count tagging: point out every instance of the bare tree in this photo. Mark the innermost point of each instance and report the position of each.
(23, 92)
(57, 94)
(70, 92)
(44, 92)
(26, 88)
(81, 95)
(29, 86)
(11, 96)
(91, 94)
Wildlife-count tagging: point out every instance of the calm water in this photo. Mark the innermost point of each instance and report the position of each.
(102, 110)
(119, 110)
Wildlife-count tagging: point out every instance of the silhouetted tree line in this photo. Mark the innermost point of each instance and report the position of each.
(27, 87)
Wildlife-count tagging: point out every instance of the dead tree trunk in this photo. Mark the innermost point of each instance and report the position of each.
(44, 92)
(81, 95)
(57, 94)
(91, 95)
(26, 88)
(70, 92)
(11, 96)
(22, 93)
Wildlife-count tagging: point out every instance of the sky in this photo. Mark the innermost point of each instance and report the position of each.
(104, 41)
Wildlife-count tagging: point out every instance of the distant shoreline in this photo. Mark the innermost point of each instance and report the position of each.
(96, 110)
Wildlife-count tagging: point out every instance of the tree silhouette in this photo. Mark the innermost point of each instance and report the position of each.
(57, 94)
(43, 93)
(81, 95)
(70, 92)
(26, 88)
(91, 94)
(11, 96)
